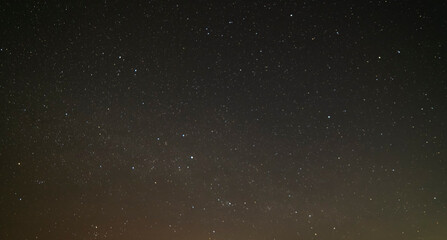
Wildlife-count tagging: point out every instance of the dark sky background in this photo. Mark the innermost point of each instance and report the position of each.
(223, 120)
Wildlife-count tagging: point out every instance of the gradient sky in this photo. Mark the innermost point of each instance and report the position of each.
(223, 120)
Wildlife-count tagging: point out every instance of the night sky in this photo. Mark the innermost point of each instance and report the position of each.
(223, 120)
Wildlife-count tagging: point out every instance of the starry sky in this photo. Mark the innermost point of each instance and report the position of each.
(223, 120)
